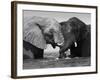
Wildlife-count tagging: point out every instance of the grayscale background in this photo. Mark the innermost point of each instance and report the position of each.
(50, 52)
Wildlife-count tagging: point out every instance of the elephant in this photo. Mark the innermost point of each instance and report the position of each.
(38, 32)
(77, 38)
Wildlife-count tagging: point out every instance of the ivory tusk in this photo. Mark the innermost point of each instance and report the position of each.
(75, 44)
(60, 43)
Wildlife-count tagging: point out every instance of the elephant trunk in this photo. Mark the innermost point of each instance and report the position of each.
(67, 43)
(58, 38)
(63, 48)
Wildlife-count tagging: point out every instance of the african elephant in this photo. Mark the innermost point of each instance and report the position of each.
(76, 32)
(38, 32)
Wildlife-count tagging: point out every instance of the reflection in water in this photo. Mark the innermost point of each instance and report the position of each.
(53, 63)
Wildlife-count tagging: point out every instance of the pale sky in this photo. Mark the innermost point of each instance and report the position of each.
(59, 16)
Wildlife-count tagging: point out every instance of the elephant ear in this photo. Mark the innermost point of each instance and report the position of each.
(33, 34)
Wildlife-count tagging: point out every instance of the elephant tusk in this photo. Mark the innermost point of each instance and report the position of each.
(75, 44)
(60, 43)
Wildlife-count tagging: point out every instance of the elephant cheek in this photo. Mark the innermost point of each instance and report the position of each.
(58, 38)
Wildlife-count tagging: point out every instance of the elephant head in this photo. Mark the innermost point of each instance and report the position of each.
(40, 31)
(74, 32)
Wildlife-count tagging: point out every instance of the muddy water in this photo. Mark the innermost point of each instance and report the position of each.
(51, 62)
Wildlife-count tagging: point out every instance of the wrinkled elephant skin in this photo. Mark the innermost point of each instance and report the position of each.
(38, 32)
(75, 30)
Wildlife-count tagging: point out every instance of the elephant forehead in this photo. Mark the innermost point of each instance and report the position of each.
(55, 24)
(68, 28)
(65, 29)
(52, 25)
